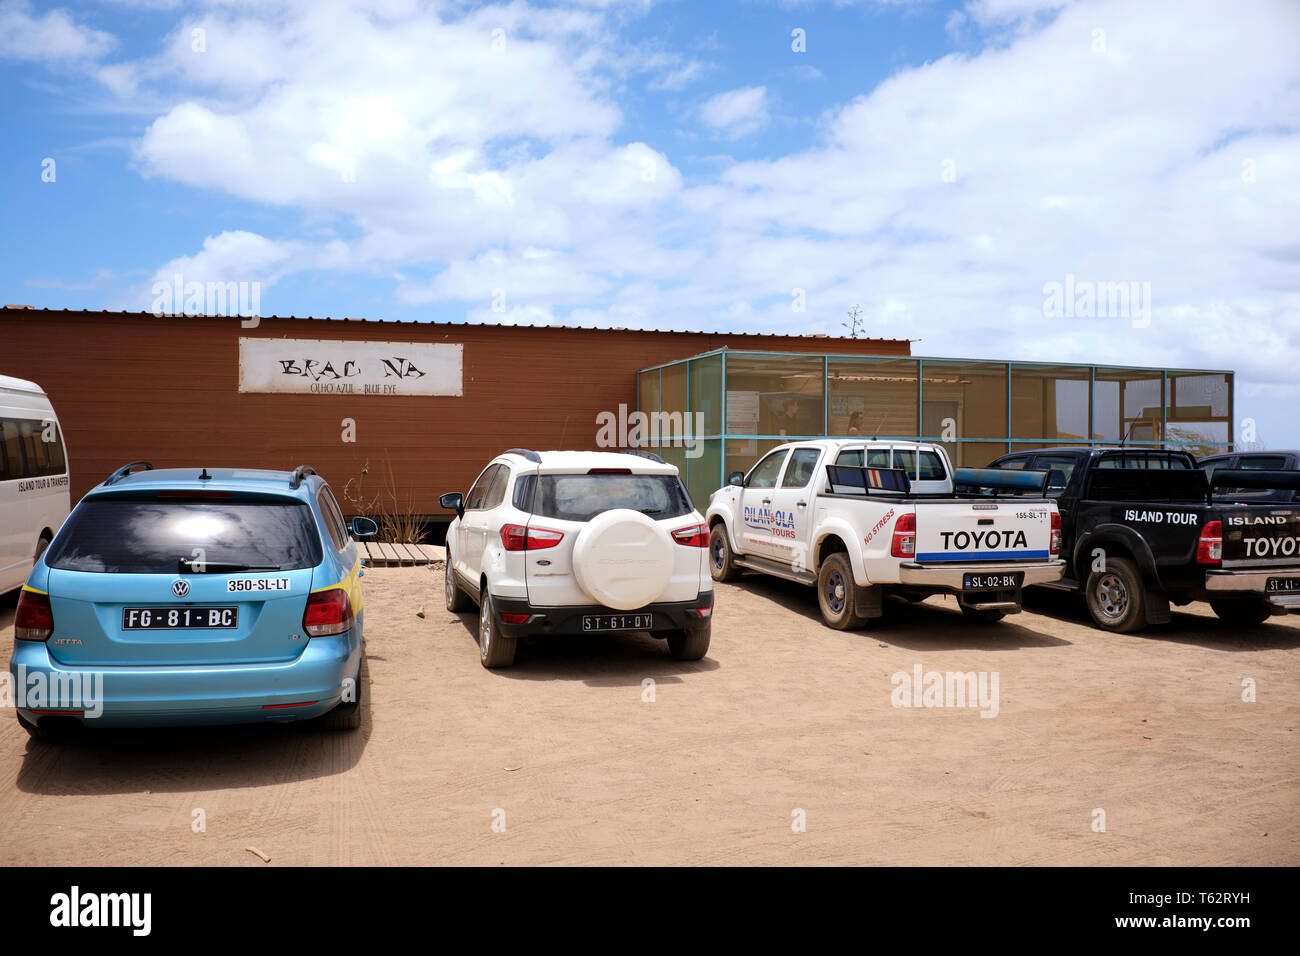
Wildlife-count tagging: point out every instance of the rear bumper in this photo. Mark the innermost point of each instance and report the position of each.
(667, 616)
(948, 577)
(305, 687)
(1228, 583)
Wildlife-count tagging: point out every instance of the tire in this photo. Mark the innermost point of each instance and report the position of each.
(983, 616)
(689, 645)
(456, 599)
(837, 594)
(1245, 613)
(494, 648)
(1116, 598)
(346, 716)
(722, 563)
(41, 545)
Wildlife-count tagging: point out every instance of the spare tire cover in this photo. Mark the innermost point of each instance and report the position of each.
(623, 559)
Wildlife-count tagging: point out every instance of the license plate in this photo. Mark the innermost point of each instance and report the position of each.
(178, 618)
(999, 581)
(617, 622)
(1282, 585)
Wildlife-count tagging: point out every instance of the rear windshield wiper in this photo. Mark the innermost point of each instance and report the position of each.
(216, 567)
(652, 511)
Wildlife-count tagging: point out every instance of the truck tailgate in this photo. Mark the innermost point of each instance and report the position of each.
(969, 531)
(1260, 535)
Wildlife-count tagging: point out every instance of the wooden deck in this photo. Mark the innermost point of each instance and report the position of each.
(376, 555)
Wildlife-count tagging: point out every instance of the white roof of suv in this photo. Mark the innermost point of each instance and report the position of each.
(569, 462)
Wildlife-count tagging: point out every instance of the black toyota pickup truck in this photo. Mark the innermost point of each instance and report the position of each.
(1144, 528)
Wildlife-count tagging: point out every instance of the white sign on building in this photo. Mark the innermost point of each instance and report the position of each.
(319, 367)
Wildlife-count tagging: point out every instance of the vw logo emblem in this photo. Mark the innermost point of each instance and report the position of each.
(180, 588)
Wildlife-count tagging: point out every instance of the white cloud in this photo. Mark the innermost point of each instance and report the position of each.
(54, 36)
(736, 113)
(942, 200)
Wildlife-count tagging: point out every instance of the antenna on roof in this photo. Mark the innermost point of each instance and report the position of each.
(204, 476)
(1131, 426)
(876, 431)
(564, 431)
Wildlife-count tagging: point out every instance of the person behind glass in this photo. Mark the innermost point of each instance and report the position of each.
(789, 422)
(855, 424)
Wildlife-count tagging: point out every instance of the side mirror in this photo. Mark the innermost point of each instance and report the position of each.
(453, 501)
(363, 527)
(736, 478)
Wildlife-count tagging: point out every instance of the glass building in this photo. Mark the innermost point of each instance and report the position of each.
(734, 406)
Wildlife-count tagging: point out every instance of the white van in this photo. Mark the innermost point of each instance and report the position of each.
(34, 487)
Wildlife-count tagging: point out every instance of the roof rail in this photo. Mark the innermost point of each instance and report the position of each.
(126, 470)
(526, 453)
(298, 474)
(642, 454)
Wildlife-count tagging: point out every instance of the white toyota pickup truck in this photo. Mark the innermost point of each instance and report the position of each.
(864, 518)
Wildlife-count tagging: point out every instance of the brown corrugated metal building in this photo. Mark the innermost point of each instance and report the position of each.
(166, 389)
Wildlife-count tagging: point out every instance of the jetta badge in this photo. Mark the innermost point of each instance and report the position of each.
(180, 588)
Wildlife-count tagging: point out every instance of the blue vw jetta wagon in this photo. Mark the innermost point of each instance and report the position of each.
(188, 596)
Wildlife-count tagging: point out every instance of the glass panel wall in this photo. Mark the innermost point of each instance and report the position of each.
(978, 410)
(706, 395)
(1127, 402)
(1050, 402)
(965, 400)
(871, 396)
(776, 394)
(1199, 416)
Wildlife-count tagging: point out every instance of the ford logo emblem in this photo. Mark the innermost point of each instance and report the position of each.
(180, 588)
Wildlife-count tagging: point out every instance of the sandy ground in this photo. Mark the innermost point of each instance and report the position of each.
(784, 715)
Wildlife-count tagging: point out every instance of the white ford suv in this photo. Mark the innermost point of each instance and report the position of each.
(569, 542)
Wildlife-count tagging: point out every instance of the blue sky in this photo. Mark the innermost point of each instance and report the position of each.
(679, 165)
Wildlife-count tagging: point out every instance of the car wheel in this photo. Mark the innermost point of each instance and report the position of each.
(722, 564)
(689, 645)
(457, 600)
(494, 648)
(1245, 612)
(346, 716)
(983, 615)
(41, 545)
(837, 594)
(1116, 598)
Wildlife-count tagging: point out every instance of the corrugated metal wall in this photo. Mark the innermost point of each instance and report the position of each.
(132, 386)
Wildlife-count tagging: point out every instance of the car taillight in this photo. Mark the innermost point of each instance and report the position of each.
(904, 544)
(33, 620)
(1209, 548)
(516, 537)
(1055, 546)
(328, 612)
(513, 618)
(696, 536)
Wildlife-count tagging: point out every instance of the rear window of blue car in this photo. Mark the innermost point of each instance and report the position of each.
(153, 535)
